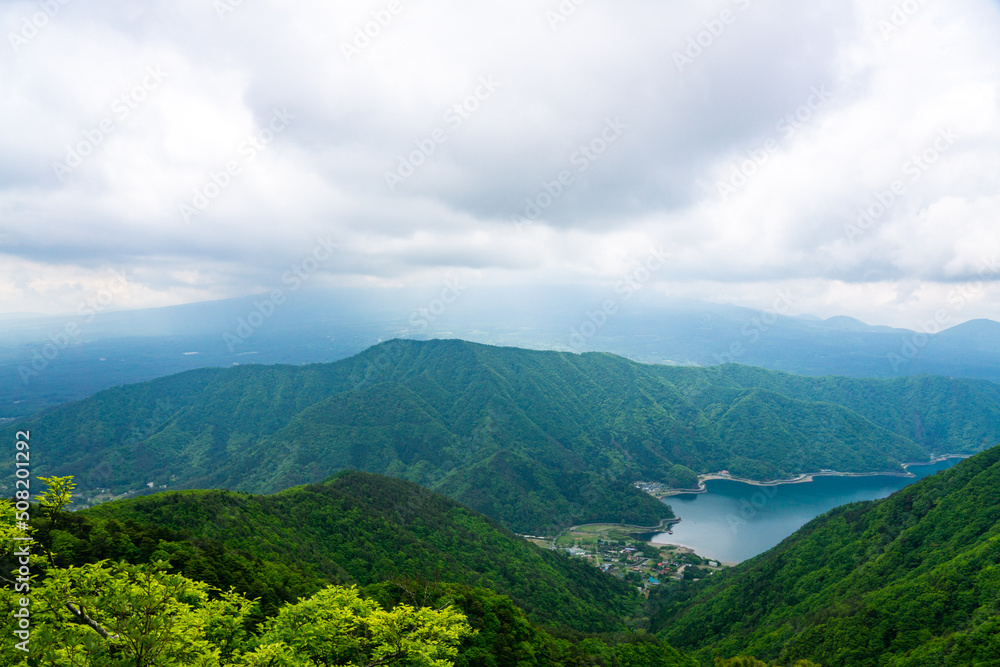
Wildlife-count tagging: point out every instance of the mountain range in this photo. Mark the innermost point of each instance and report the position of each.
(46, 361)
(341, 459)
(535, 440)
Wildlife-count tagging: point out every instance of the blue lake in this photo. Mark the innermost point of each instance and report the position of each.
(734, 521)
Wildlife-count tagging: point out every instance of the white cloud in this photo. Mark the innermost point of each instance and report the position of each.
(750, 86)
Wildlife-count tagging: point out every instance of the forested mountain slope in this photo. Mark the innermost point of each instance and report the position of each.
(910, 580)
(355, 528)
(533, 439)
(330, 573)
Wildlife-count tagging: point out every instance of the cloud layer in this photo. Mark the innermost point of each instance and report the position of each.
(846, 151)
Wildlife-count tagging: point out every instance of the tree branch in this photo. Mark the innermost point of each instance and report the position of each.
(385, 660)
(83, 619)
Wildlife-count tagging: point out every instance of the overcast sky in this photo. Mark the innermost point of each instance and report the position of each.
(203, 148)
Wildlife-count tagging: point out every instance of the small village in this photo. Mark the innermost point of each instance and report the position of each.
(656, 489)
(614, 550)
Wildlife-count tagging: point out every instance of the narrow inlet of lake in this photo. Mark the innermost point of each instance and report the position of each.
(734, 521)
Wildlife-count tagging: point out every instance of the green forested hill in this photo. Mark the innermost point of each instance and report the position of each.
(134, 569)
(355, 528)
(533, 439)
(910, 580)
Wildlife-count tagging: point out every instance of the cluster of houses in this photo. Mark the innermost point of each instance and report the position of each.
(653, 488)
(633, 563)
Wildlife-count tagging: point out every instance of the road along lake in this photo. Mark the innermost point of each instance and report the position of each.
(734, 521)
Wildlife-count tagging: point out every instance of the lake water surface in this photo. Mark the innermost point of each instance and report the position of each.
(734, 521)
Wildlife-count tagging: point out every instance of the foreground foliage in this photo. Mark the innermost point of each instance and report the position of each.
(912, 580)
(356, 528)
(117, 614)
(110, 614)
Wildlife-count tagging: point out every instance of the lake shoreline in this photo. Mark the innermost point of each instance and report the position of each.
(717, 517)
(684, 548)
(664, 523)
(805, 477)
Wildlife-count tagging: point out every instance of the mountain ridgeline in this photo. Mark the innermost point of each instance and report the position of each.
(125, 347)
(535, 440)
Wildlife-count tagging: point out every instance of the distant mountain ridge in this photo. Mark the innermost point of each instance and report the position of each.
(852, 324)
(40, 366)
(533, 439)
(985, 332)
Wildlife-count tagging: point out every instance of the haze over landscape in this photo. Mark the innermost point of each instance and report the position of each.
(561, 333)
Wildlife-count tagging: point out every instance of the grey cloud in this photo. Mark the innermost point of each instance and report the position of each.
(326, 173)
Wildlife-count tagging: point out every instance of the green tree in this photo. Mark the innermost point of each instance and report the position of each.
(52, 502)
(740, 661)
(110, 614)
(743, 661)
(118, 614)
(339, 627)
(56, 497)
